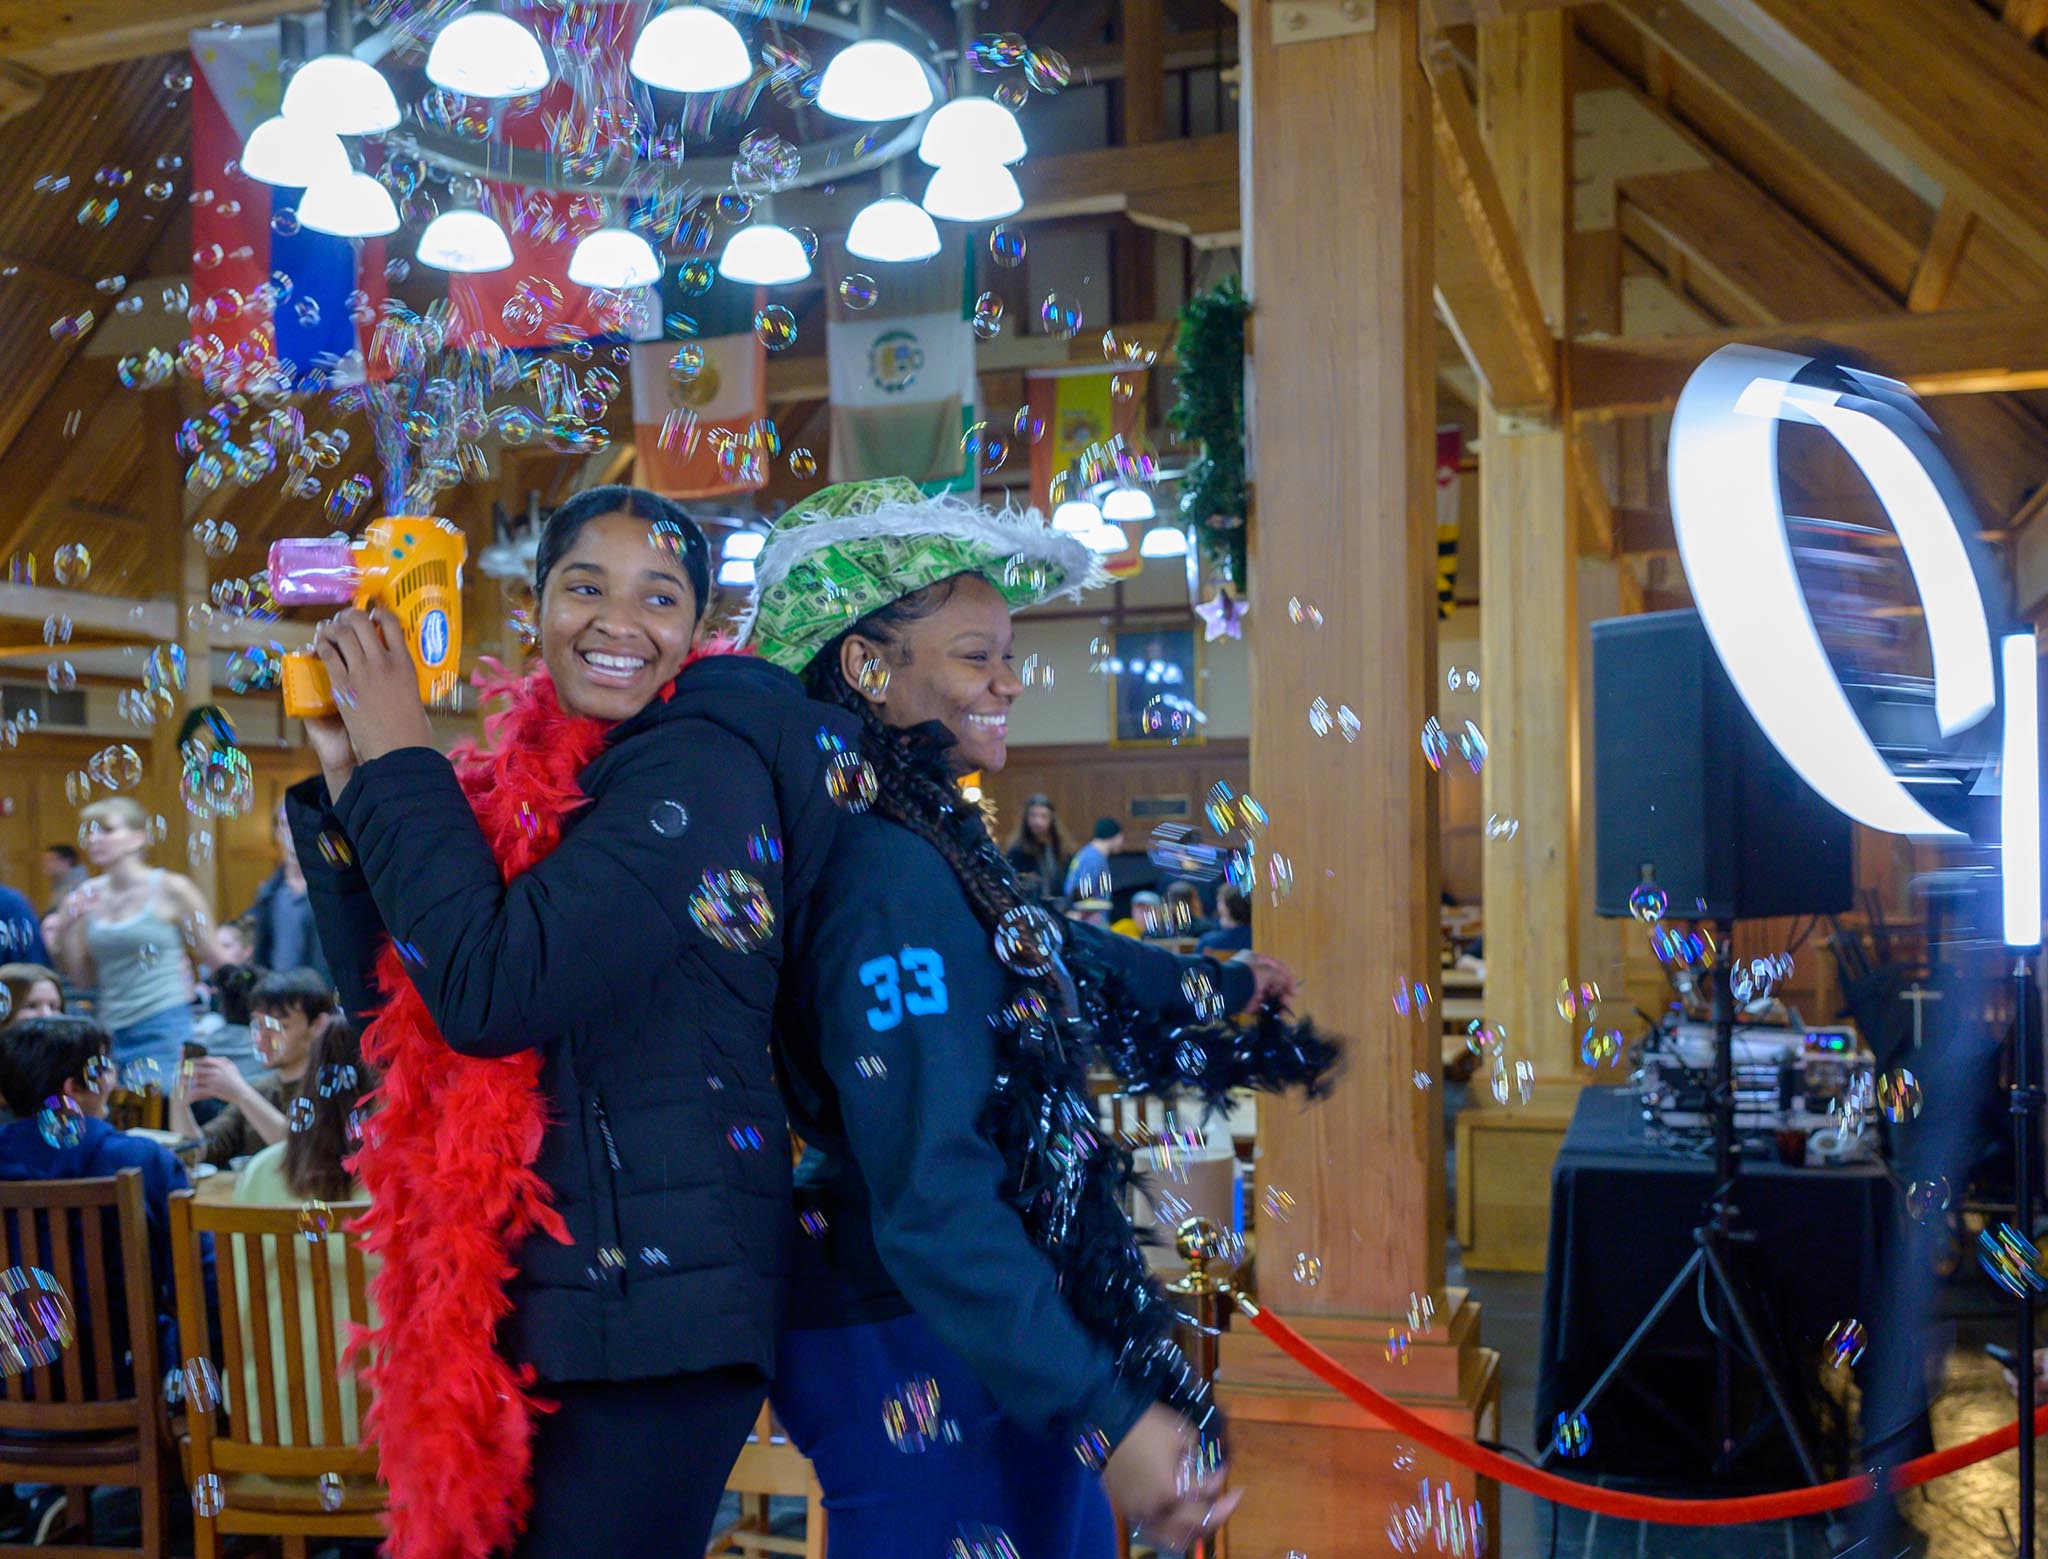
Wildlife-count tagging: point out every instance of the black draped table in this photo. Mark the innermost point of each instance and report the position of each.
(1622, 1212)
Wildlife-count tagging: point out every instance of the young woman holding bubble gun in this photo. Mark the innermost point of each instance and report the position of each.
(973, 1334)
(570, 943)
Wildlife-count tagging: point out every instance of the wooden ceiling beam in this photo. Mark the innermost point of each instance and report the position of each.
(1483, 288)
(1953, 353)
(1952, 86)
(1744, 115)
(20, 89)
(1462, 13)
(60, 36)
(1185, 187)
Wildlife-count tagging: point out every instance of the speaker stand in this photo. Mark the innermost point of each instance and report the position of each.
(1713, 1241)
(2026, 1126)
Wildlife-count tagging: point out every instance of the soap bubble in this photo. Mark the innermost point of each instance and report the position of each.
(857, 290)
(300, 1116)
(1006, 246)
(850, 781)
(207, 1499)
(2011, 1260)
(1845, 1344)
(733, 909)
(803, 465)
(1898, 1095)
(72, 564)
(775, 327)
(1572, 1435)
(1648, 902)
(1926, 1198)
(315, 1220)
(1436, 746)
(988, 316)
(1472, 747)
(1061, 316)
(60, 1121)
(1308, 1269)
(1028, 940)
(331, 1491)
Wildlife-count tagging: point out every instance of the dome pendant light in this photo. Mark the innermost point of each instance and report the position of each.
(355, 206)
(342, 95)
(691, 48)
(282, 152)
(761, 254)
(892, 230)
(1164, 540)
(973, 192)
(614, 258)
(971, 129)
(486, 54)
(466, 242)
(874, 80)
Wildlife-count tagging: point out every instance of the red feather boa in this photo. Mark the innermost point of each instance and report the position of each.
(447, 1163)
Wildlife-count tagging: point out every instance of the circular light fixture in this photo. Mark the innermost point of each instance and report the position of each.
(973, 192)
(487, 54)
(1164, 540)
(971, 129)
(292, 155)
(1076, 516)
(615, 258)
(342, 95)
(1105, 539)
(354, 206)
(764, 255)
(892, 229)
(1128, 503)
(691, 48)
(464, 241)
(874, 80)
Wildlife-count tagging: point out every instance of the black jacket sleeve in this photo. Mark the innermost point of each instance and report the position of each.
(1153, 979)
(505, 967)
(351, 931)
(903, 982)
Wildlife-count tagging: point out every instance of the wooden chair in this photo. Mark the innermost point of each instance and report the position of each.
(88, 1418)
(127, 1109)
(270, 1462)
(769, 1464)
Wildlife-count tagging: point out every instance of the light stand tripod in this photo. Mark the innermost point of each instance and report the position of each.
(1712, 1241)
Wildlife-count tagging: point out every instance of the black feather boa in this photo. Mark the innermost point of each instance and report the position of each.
(1068, 1181)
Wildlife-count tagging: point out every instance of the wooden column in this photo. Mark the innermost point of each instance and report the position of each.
(1528, 587)
(1341, 401)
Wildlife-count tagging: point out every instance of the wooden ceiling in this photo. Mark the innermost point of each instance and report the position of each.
(1763, 210)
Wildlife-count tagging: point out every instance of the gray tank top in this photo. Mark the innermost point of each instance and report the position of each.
(140, 962)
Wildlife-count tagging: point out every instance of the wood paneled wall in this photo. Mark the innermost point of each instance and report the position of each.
(34, 813)
(1088, 780)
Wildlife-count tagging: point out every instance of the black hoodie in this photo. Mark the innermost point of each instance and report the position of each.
(667, 1153)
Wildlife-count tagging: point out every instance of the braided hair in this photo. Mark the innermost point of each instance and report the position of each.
(1065, 1179)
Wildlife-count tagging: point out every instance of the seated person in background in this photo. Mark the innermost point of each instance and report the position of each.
(1088, 871)
(1233, 933)
(29, 991)
(1090, 912)
(54, 1074)
(289, 1010)
(21, 928)
(33, 991)
(1148, 914)
(1184, 915)
(309, 1166)
(236, 940)
(225, 1030)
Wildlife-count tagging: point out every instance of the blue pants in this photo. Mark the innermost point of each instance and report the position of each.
(975, 1472)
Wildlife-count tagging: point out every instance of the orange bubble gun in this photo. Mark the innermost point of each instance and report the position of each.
(410, 565)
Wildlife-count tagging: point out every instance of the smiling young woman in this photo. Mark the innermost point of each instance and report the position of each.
(935, 1027)
(570, 946)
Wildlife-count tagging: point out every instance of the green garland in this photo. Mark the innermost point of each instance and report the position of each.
(1210, 414)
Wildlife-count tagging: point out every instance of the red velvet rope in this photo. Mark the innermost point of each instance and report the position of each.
(1612, 1502)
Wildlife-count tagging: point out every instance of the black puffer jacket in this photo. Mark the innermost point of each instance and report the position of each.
(668, 1153)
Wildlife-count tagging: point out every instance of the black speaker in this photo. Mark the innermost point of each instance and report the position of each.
(1689, 791)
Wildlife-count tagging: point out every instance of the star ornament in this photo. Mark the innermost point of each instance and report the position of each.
(1223, 617)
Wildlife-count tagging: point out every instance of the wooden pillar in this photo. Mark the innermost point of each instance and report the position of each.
(1528, 586)
(1135, 249)
(1341, 398)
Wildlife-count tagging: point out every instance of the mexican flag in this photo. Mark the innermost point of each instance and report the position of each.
(901, 370)
(692, 413)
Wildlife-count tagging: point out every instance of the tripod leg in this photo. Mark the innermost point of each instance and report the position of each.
(1636, 1339)
(1781, 1403)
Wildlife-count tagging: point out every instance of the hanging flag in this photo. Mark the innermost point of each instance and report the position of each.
(899, 351)
(697, 397)
(1450, 452)
(1086, 429)
(265, 288)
